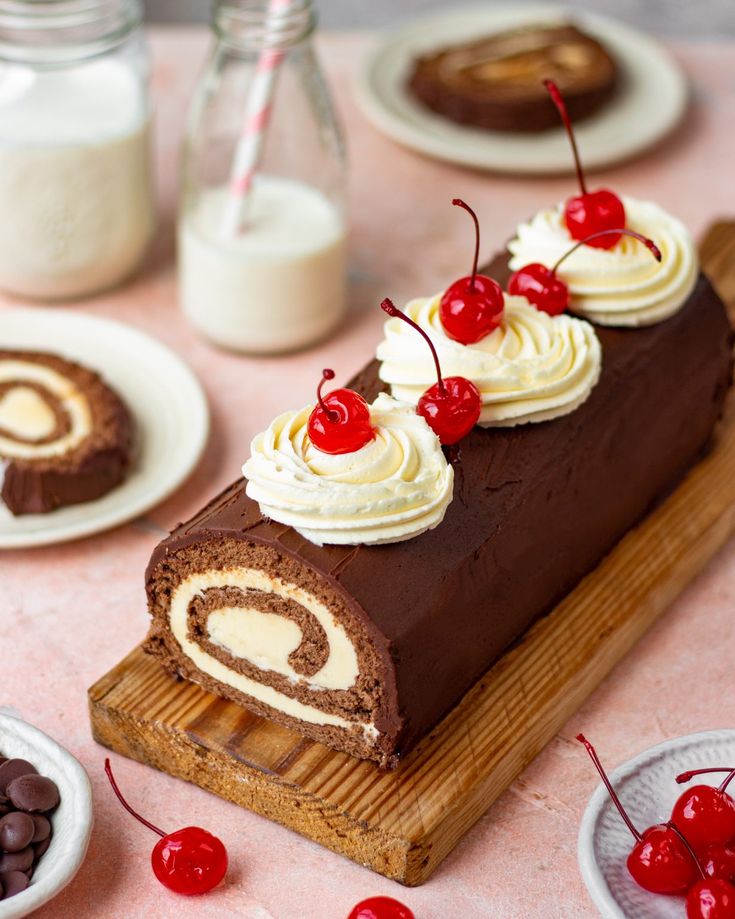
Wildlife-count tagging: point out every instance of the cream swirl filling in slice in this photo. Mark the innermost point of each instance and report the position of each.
(533, 367)
(42, 414)
(271, 640)
(394, 488)
(622, 286)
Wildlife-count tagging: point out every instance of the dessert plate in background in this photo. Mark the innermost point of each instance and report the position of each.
(163, 395)
(650, 102)
(647, 788)
(71, 821)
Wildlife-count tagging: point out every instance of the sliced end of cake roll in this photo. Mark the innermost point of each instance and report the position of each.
(260, 627)
(65, 436)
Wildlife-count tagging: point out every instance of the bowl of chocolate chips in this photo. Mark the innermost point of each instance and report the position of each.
(45, 817)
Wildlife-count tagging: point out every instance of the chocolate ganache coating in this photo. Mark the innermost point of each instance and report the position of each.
(535, 508)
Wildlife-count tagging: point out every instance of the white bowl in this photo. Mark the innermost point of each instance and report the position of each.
(647, 787)
(71, 821)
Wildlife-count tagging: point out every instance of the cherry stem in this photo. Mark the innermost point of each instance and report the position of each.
(331, 415)
(648, 243)
(458, 202)
(672, 826)
(392, 310)
(128, 808)
(688, 776)
(606, 782)
(558, 100)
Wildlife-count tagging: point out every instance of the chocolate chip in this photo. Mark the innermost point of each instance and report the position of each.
(40, 847)
(33, 793)
(16, 831)
(41, 827)
(13, 769)
(14, 882)
(17, 861)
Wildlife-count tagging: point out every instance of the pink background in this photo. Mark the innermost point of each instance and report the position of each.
(73, 611)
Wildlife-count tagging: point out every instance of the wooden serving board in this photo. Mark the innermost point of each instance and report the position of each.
(403, 823)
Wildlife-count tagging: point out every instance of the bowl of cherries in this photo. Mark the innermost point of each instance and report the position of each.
(657, 840)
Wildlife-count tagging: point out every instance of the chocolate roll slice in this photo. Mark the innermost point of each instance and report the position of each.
(65, 436)
(365, 648)
(496, 82)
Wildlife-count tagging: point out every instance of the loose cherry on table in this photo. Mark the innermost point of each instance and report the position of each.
(541, 286)
(472, 307)
(452, 405)
(660, 861)
(705, 814)
(380, 908)
(187, 861)
(590, 211)
(340, 422)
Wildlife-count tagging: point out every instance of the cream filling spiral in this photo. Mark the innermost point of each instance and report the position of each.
(533, 367)
(247, 633)
(32, 397)
(622, 286)
(397, 486)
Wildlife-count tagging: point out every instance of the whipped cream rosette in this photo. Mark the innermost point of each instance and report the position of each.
(533, 367)
(395, 487)
(621, 286)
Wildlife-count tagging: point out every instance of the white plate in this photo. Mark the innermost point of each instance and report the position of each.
(164, 396)
(648, 791)
(71, 821)
(648, 105)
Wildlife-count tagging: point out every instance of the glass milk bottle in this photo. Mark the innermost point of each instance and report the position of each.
(76, 203)
(261, 228)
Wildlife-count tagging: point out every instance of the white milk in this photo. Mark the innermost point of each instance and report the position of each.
(76, 202)
(279, 284)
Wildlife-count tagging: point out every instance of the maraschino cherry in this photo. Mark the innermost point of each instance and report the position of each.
(590, 211)
(188, 861)
(708, 898)
(660, 860)
(711, 898)
(704, 814)
(452, 405)
(540, 285)
(472, 307)
(380, 908)
(340, 422)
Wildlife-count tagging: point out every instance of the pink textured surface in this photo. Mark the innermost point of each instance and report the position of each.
(71, 612)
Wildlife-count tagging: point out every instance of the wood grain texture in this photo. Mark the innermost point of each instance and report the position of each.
(402, 824)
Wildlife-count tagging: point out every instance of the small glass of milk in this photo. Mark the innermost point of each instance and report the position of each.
(262, 252)
(76, 198)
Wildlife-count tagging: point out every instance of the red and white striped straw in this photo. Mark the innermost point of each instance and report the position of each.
(257, 115)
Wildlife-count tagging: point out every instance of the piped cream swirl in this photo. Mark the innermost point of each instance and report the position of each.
(397, 486)
(622, 286)
(533, 367)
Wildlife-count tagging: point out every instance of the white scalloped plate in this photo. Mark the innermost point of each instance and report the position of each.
(650, 103)
(648, 791)
(71, 821)
(164, 396)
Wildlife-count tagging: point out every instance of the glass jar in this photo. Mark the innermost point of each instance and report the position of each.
(262, 248)
(76, 199)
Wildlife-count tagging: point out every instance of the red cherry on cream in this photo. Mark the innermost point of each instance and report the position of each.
(340, 422)
(719, 862)
(188, 861)
(541, 286)
(706, 815)
(711, 899)
(380, 908)
(452, 405)
(661, 860)
(472, 307)
(591, 211)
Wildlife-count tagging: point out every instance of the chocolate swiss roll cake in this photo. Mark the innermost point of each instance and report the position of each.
(362, 619)
(495, 82)
(65, 436)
